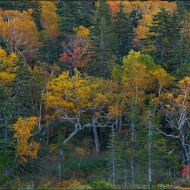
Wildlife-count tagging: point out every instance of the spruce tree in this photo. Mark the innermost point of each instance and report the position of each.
(104, 41)
(151, 143)
(165, 37)
(114, 157)
(124, 32)
(7, 147)
(73, 14)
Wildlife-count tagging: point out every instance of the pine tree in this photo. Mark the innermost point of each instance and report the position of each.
(7, 147)
(114, 157)
(21, 89)
(166, 39)
(124, 32)
(104, 41)
(152, 144)
(73, 14)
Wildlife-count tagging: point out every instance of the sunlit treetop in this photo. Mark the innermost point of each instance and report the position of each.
(7, 66)
(20, 31)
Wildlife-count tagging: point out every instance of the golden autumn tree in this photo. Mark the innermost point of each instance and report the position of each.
(163, 79)
(7, 66)
(20, 31)
(27, 147)
(78, 97)
(49, 17)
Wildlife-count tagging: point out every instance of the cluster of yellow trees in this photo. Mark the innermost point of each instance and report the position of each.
(87, 101)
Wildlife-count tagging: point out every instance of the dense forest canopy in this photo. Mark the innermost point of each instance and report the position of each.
(94, 94)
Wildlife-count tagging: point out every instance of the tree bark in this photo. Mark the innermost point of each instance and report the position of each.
(132, 151)
(149, 153)
(96, 140)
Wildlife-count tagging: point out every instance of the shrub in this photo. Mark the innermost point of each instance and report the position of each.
(101, 185)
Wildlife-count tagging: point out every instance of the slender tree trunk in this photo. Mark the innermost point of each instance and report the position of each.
(40, 109)
(116, 123)
(132, 151)
(125, 178)
(60, 160)
(113, 160)
(101, 45)
(149, 153)
(96, 140)
(47, 136)
(6, 139)
(120, 122)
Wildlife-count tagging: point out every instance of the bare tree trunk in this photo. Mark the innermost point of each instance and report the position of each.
(113, 161)
(60, 160)
(40, 110)
(6, 139)
(116, 123)
(125, 178)
(120, 122)
(132, 151)
(96, 140)
(149, 153)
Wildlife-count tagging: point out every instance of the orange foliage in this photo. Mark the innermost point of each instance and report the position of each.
(26, 147)
(19, 29)
(76, 55)
(49, 17)
(180, 99)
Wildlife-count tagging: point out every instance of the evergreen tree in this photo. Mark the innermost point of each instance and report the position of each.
(166, 39)
(73, 14)
(114, 157)
(21, 89)
(50, 51)
(104, 41)
(183, 70)
(7, 147)
(153, 147)
(124, 32)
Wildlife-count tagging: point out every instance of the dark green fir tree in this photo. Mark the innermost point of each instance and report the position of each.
(104, 42)
(166, 38)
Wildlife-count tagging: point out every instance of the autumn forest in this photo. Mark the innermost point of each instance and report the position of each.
(94, 94)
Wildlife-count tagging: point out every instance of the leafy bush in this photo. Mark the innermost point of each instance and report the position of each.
(75, 184)
(184, 182)
(101, 185)
(166, 186)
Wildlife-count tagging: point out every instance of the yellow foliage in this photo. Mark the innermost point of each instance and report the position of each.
(19, 29)
(53, 148)
(147, 9)
(74, 184)
(49, 16)
(163, 78)
(7, 66)
(115, 110)
(26, 147)
(82, 31)
(80, 152)
(72, 97)
(71, 94)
